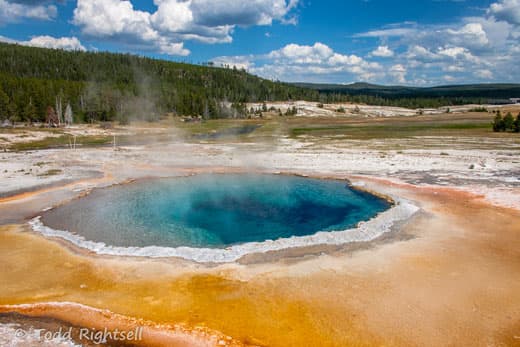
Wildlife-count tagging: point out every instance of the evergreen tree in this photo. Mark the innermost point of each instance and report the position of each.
(509, 122)
(4, 105)
(13, 112)
(123, 119)
(94, 83)
(293, 111)
(29, 112)
(516, 126)
(498, 123)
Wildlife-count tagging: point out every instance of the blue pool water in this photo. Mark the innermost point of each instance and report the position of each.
(214, 210)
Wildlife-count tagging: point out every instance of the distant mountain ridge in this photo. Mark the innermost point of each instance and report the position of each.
(491, 90)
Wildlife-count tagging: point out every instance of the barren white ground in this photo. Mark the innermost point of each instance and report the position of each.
(439, 161)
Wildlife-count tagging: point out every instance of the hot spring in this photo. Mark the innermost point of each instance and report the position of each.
(214, 211)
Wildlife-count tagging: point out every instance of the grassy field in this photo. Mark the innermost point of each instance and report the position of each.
(63, 141)
(397, 130)
(474, 125)
(463, 131)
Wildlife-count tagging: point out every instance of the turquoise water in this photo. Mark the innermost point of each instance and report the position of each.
(214, 210)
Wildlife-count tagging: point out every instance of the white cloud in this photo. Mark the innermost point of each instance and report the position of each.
(118, 20)
(239, 62)
(383, 51)
(398, 72)
(485, 47)
(449, 78)
(301, 54)
(112, 17)
(497, 32)
(388, 32)
(7, 40)
(340, 59)
(318, 54)
(11, 11)
(67, 43)
(458, 53)
(213, 13)
(175, 21)
(471, 33)
(295, 62)
(417, 52)
(484, 74)
(506, 10)
(453, 68)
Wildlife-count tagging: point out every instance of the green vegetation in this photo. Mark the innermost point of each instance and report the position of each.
(51, 172)
(63, 141)
(507, 123)
(293, 111)
(38, 84)
(479, 109)
(107, 87)
(414, 97)
(394, 130)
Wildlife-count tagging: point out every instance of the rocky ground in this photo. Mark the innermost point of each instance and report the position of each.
(449, 276)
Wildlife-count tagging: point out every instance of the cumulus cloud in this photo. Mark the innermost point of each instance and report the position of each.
(212, 13)
(383, 51)
(484, 74)
(448, 78)
(318, 54)
(418, 52)
(295, 62)
(67, 43)
(458, 53)
(112, 17)
(506, 10)
(453, 68)
(319, 62)
(35, 2)
(497, 32)
(175, 21)
(477, 48)
(118, 20)
(302, 54)
(239, 62)
(471, 33)
(398, 72)
(13, 11)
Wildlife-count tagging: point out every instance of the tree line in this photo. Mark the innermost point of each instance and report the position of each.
(108, 86)
(506, 123)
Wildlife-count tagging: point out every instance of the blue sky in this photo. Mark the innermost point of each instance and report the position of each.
(427, 42)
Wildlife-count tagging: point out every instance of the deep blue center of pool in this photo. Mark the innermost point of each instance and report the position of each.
(214, 210)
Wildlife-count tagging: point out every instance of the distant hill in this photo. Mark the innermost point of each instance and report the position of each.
(481, 91)
(107, 86)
